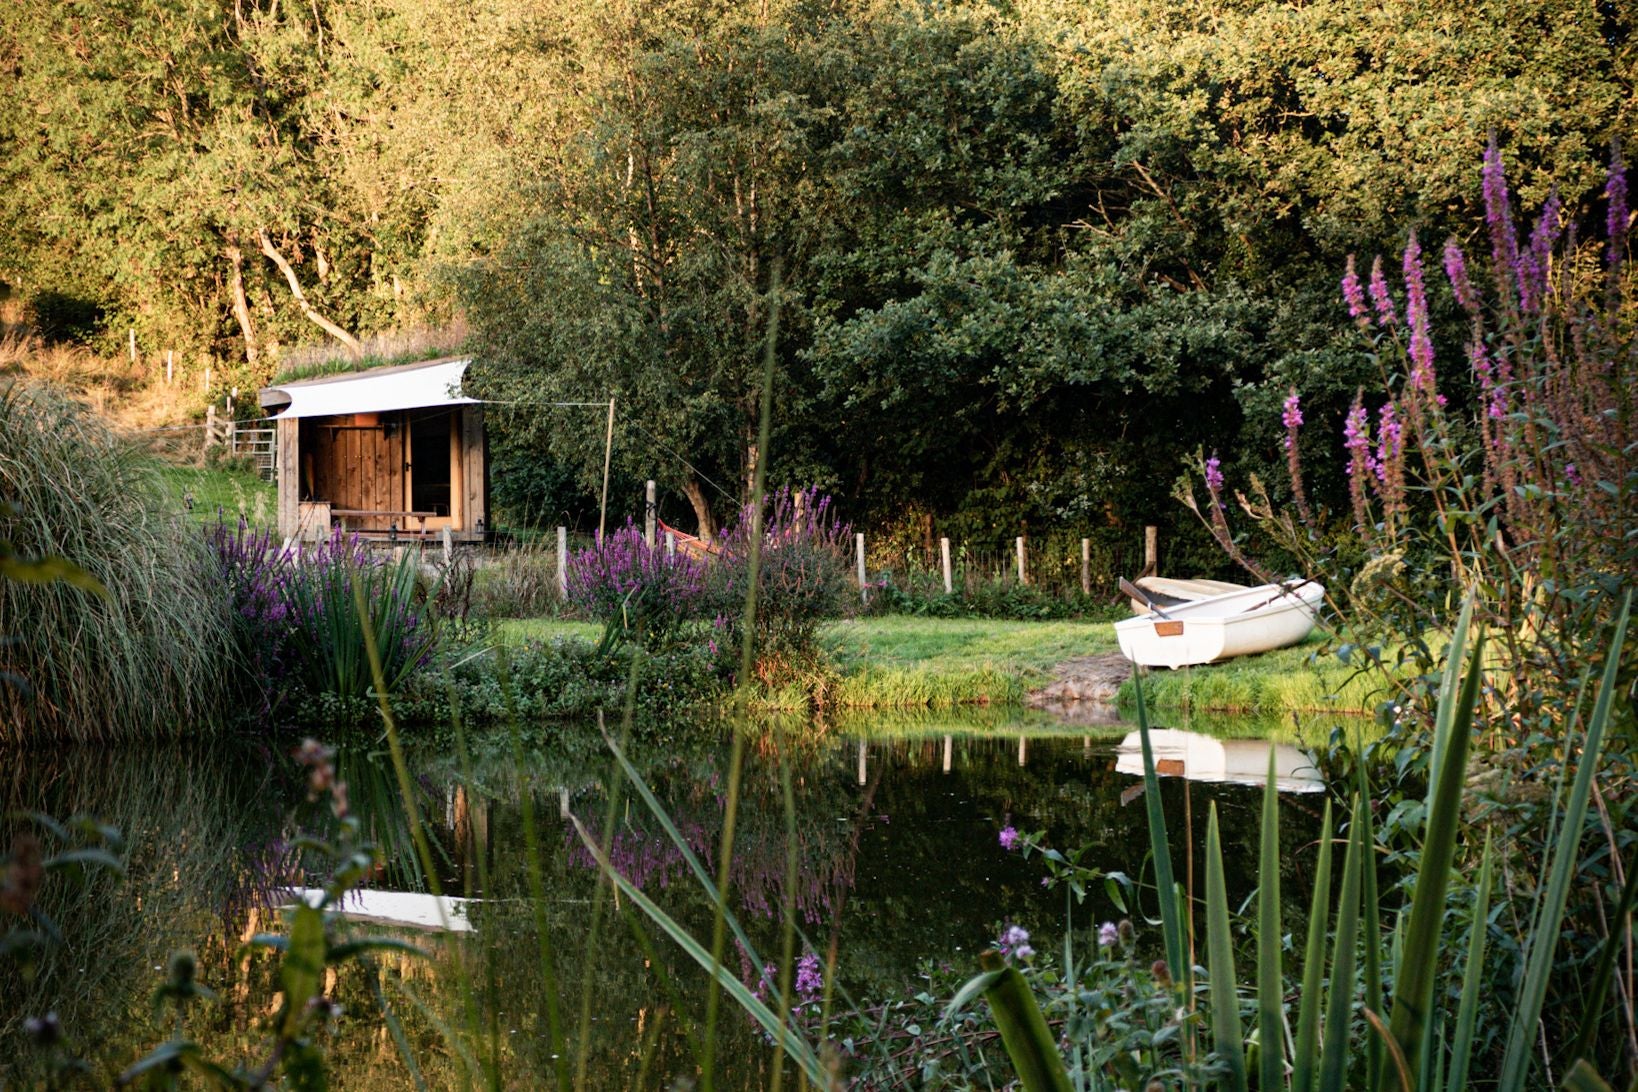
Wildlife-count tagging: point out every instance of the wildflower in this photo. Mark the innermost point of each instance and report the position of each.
(1542, 240)
(1009, 838)
(1456, 272)
(1108, 935)
(809, 979)
(1162, 974)
(1416, 313)
(1014, 942)
(1291, 416)
(1498, 217)
(1571, 474)
(1214, 475)
(1615, 190)
(44, 1030)
(1354, 293)
(1381, 297)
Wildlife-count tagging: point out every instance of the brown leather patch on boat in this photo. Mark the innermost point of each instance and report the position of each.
(1172, 766)
(1168, 629)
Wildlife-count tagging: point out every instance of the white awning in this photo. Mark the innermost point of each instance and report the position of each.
(409, 386)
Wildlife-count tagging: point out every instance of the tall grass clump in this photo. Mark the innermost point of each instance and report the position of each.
(155, 655)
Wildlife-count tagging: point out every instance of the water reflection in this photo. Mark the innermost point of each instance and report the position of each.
(1224, 761)
(895, 837)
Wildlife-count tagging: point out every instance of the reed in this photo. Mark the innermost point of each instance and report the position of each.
(153, 658)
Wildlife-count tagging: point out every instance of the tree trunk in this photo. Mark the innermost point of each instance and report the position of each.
(702, 510)
(241, 306)
(301, 299)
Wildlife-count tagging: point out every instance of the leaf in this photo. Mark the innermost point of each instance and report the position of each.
(1024, 1031)
(1227, 1035)
(1305, 1051)
(969, 990)
(79, 858)
(1270, 980)
(303, 965)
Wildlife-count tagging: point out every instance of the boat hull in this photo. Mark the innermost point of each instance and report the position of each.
(1240, 623)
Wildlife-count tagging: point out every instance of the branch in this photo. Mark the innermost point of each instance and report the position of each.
(301, 298)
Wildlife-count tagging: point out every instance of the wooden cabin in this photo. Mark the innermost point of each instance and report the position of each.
(396, 451)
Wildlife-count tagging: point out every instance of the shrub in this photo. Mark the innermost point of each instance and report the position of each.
(803, 581)
(156, 656)
(637, 589)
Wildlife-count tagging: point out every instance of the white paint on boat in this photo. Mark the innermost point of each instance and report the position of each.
(1232, 761)
(1256, 619)
(407, 908)
(1181, 589)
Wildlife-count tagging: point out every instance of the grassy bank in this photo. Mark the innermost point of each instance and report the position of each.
(231, 490)
(1288, 680)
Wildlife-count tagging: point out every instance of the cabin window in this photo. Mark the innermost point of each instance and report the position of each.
(430, 463)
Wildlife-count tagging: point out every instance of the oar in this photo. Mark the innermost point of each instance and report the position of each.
(1136, 592)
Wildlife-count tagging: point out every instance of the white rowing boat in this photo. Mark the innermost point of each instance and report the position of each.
(1256, 619)
(1163, 590)
(1233, 761)
(403, 908)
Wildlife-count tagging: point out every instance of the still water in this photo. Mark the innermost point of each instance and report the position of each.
(900, 871)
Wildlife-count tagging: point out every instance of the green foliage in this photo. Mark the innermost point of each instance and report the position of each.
(153, 656)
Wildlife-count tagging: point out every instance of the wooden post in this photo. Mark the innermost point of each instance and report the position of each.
(944, 555)
(947, 748)
(169, 366)
(670, 546)
(205, 379)
(562, 562)
(449, 547)
(650, 514)
(1023, 572)
(858, 545)
(1020, 750)
(608, 454)
(287, 464)
(1086, 566)
(1151, 550)
(210, 427)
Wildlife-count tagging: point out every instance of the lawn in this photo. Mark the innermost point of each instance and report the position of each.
(1300, 679)
(230, 491)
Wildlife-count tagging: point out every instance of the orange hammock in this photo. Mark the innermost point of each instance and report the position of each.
(692, 545)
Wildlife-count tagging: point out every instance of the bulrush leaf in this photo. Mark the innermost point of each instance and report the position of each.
(1339, 1001)
(1466, 1016)
(1521, 1033)
(1270, 1019)
(1171, 914)
(1419, 959)
(1305, 1050)
(1024, 1031)
(1227, 1035)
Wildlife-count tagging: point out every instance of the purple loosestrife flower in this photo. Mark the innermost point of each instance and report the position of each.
(1498, 218)
(1014, 942)
(1542, 241)
(809, 978)
(1615, 191)
(1416, 313)
(1010, 838)
(1390, 438)
(1291, 415)
(1456, 271)
(1108, 934)
(1386, 313)
(1356, 441)
(1214, 476)
(1354, 293)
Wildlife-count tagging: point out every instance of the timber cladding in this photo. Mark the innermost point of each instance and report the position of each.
(413, 471)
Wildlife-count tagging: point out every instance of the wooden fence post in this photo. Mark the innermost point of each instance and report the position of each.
(210, 427)
(1086, 566)
(562, 562)
(858, 546)
(205, 381)
(1151, 550)
(1023, 572)
(169, 366)
(650, 514)
(670, 546)
(944, 551)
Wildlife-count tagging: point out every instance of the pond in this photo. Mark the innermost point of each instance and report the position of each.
(900, 870)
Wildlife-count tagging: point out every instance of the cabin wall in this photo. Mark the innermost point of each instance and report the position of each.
(357, 465)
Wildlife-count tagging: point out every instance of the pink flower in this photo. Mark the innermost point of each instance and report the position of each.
(1010, 838)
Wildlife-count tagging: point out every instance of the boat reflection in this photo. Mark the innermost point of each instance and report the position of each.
(1232, 761)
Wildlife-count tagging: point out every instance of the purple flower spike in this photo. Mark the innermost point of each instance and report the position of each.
(809, 979)
(1214, 474)
(1542, 240)
(1291, 417)
(1380, 296)
(1498, 216)
(1615, 190)
(1354, 293)
(1456, 270)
